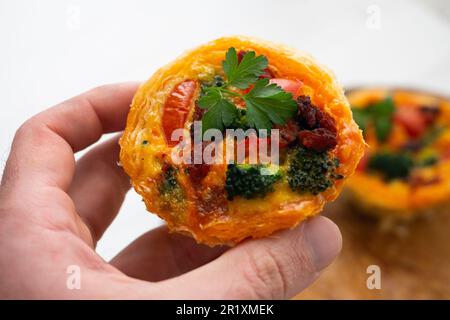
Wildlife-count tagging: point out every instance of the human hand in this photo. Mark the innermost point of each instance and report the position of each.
(53, 210)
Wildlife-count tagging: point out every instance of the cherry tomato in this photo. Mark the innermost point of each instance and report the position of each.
(177, 108)
(412, 120)
(291, 86)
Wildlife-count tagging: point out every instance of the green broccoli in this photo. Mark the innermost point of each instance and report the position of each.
(250, 181)
(391, 165)
(169, 188)
(311, 171)
(169, 181)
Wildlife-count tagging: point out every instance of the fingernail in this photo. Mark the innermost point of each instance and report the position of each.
(324, 240)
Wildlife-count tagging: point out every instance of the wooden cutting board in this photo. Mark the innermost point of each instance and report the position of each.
(414, 258)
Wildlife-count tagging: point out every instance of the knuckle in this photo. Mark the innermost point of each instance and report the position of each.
(264, 275)
(31, 129)
(36, 131)
(25, 128)
(98, 90)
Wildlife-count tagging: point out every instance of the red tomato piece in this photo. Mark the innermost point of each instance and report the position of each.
(412, 120)
(177, 108)
(291, 86)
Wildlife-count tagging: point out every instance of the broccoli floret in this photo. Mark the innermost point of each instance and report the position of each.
(217, 81)
(172, 197)
(391, 165)
(169, 181)
(250, 181)
(311, 171)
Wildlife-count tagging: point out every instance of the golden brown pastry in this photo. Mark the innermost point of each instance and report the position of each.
(240, 83)
(406, 167)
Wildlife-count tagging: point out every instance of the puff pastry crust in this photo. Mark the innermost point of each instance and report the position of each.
(202, 210)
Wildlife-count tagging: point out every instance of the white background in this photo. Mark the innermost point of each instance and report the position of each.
(51, 50)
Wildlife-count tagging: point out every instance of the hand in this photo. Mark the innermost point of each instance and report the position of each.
(53, 210)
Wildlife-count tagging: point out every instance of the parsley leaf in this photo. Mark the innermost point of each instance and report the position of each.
(221, 112)
(382, 119)
(241, 75)
(267, 103)
(379, 114)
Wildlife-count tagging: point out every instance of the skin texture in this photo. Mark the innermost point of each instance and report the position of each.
(53, 210)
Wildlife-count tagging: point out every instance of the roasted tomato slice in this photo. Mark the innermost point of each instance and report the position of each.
(288, 133)
(177, 108)
(412, 120)
(291, 86)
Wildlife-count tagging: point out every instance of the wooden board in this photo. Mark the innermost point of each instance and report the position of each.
(414, 258)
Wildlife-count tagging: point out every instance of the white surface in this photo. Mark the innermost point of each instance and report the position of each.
(52, 50)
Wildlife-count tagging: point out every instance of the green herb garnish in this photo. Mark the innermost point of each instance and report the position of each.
(242, 75)
(379, 115)
(266, 103)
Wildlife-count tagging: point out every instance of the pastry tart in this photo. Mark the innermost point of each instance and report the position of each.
(240, 83)
(406, 167)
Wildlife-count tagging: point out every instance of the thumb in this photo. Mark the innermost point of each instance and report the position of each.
(272, 268)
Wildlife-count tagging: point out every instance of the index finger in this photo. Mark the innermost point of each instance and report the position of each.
(43, 147)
